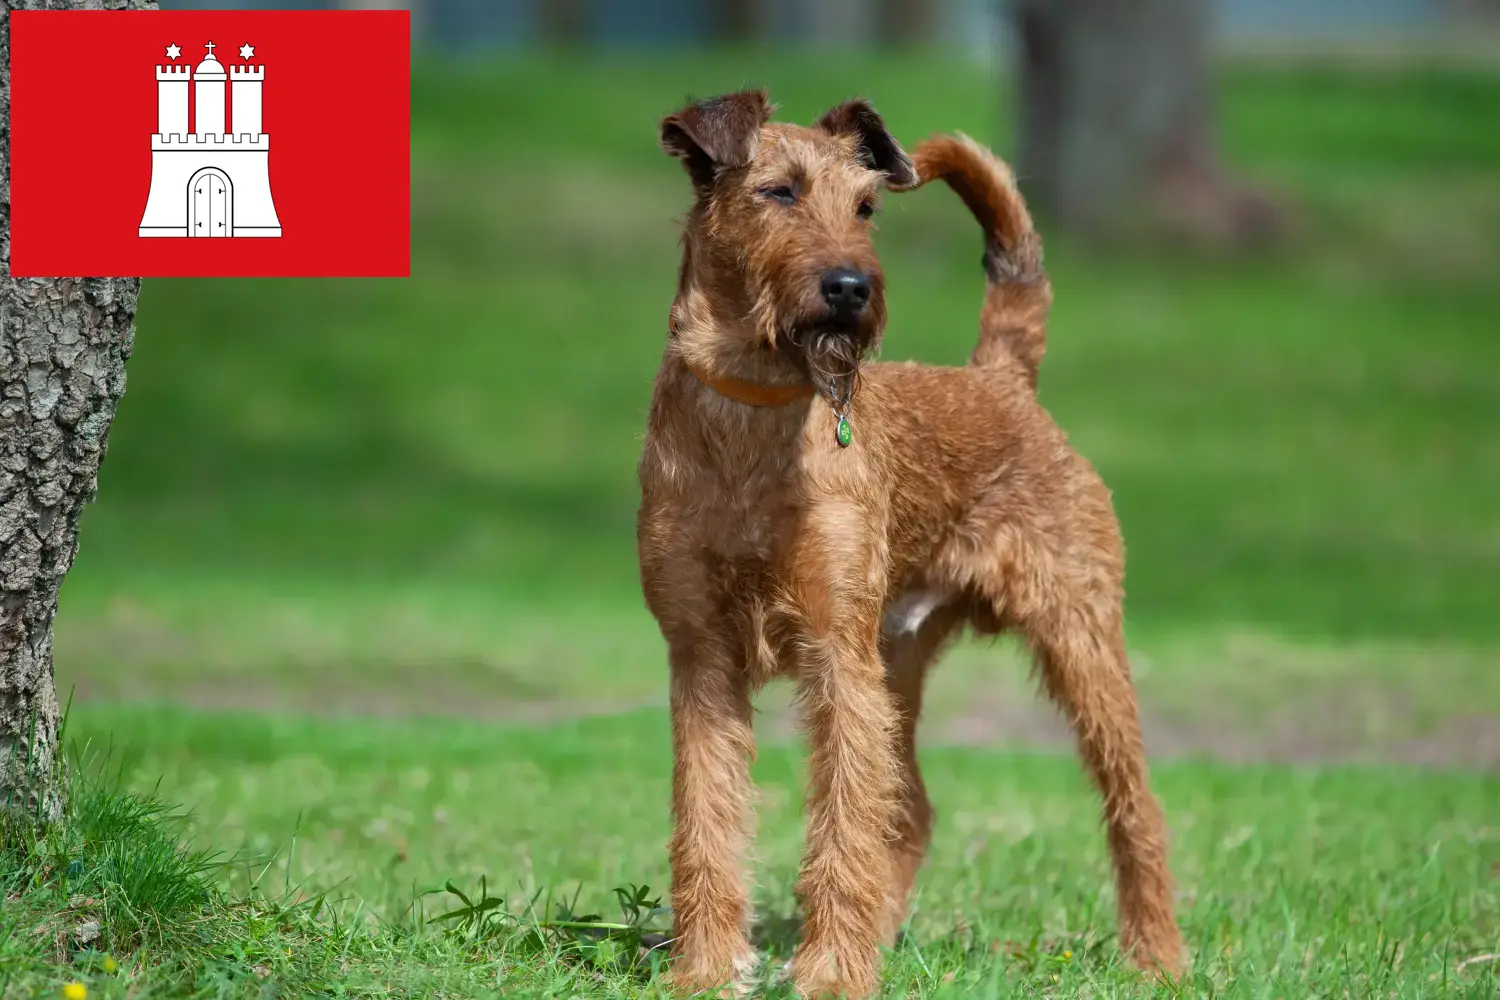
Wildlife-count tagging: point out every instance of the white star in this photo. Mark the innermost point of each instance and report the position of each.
(247, 50)
(173, 51)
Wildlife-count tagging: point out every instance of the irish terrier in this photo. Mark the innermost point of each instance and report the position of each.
(807, 515)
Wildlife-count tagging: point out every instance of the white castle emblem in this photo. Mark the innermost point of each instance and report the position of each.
(211, 181)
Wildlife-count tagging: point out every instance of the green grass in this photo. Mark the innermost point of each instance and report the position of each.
(1331, 882)
(328, 502)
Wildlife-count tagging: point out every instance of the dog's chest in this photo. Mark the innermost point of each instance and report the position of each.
(750, 533)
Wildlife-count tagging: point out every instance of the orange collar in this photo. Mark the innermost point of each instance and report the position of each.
(753, 393)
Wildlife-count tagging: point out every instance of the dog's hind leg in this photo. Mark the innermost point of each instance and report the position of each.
(909, 650)
(1080, 651)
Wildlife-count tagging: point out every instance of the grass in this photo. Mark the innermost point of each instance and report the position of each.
(111, 865)
(1333, 882)
(363, 556)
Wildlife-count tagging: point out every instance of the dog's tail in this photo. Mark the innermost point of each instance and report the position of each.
(1013, 322)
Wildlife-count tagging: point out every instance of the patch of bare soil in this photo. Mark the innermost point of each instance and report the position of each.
(1322, 707)
(436, 695)
(1353, 729)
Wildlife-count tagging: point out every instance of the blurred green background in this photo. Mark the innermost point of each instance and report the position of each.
(419, 494)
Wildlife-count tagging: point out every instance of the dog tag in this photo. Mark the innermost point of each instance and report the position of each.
(844, 434)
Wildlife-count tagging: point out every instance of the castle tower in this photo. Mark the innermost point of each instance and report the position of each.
(172, 99)
(208, 95)
(245, 83)
(210, 182)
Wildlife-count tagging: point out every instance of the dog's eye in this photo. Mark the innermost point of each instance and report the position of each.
(866, 209)
(783, 194)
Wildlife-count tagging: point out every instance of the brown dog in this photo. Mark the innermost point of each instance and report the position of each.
(806, 516)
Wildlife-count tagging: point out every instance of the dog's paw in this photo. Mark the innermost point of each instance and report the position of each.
(783, 975)
(1156, 951)
(746, 974)
(1165, 967)
(679, 984)
(817, 976)
(742, 979)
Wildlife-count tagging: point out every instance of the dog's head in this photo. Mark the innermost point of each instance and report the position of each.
(779, 235)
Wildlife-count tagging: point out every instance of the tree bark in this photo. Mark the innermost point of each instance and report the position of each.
(63, 345)
(1117, 118)
(741, 21)
(906, 22)
(564, 23)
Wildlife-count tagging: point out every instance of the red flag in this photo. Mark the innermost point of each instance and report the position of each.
(283, 137)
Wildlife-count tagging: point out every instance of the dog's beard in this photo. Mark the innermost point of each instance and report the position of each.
(830, 358)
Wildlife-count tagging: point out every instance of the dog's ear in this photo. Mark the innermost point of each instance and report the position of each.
(878, 149)
(720, 132)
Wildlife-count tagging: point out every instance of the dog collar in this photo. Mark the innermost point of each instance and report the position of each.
(760, 394)
(753, 393)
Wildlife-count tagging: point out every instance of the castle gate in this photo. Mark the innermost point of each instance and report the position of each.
(210, 203)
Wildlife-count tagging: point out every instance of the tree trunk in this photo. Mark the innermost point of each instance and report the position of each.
(63, 345)
(741, 21)
(906, 22)
(1117, 118)
(564, 23)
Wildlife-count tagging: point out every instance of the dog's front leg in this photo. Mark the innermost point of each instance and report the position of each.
(853, 777)
(712, 741)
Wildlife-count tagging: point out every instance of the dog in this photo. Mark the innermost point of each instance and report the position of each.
(805, 514)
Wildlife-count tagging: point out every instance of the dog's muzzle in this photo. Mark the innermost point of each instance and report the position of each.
(846, 292)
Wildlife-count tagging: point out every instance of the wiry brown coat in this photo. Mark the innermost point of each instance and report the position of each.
(768, 550)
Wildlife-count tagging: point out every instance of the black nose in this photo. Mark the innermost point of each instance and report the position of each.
(845, 290)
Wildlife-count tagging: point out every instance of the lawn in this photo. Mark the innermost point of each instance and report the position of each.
(1294, 883)
(359, 590)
